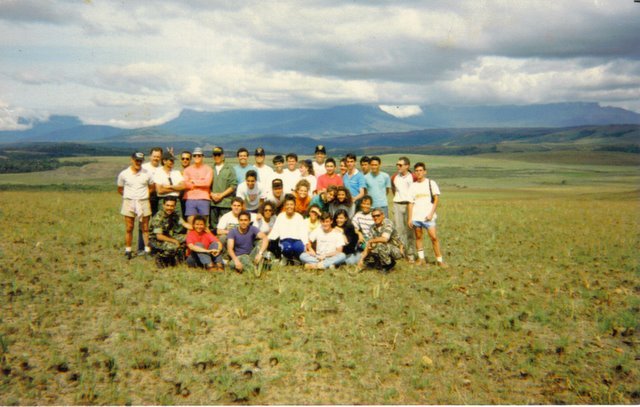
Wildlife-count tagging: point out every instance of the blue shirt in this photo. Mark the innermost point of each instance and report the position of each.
(377, 188)
(354, 183)
(242, 172)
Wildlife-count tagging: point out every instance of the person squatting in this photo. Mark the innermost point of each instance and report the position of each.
(321, 213)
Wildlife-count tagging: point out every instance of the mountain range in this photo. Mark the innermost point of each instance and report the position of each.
(346, 126)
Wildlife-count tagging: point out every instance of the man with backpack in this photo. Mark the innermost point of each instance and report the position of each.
(421, 211)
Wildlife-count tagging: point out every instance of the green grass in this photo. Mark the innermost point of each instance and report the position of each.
(540, 305)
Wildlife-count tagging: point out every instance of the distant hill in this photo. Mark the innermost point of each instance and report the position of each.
(442, 122)
(621, 138)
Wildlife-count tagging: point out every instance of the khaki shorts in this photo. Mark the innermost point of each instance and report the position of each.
(129, 207)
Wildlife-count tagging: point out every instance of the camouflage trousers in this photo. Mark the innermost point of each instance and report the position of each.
(383, 254)
(168, 249)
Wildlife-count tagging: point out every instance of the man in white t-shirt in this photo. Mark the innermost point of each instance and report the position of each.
(424, 196)
(265, 173)
(169, 182)
(154, 164)
(328, 246)
(400, 184)
(135, 184)
(291, 174)
(318, 162)
(251, 192)
(289, 229)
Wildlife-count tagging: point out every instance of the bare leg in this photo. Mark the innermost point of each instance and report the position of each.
(435, 242)
(129, 223)
(145, 230)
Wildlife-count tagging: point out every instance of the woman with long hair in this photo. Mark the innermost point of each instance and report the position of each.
(342, 223)
(306, 172)
(344, 201)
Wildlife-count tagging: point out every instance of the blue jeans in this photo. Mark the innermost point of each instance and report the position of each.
(353, 258)
(291, 248)
(197, 259)
(326, 263)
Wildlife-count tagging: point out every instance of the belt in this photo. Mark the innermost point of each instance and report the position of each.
(402, 203)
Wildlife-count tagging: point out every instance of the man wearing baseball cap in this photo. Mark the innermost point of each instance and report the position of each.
(318, 163)
(265, 173)
(223, 188)
(135, 185)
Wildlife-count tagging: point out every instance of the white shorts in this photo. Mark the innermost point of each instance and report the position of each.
(129, 207)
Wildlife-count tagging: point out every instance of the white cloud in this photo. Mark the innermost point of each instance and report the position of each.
(136, 62)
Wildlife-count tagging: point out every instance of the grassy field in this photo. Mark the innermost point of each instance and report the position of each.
(540, 305)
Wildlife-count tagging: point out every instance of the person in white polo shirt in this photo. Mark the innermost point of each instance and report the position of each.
(135, 185)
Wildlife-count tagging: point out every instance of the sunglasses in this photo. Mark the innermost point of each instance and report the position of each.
(197, 155)
(185, 158)
(377, 215)
(399, 165)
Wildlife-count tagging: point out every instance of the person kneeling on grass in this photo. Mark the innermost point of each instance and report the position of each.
(384, 247)
(291, 231)
(204, 247)
(240, 244)
(167, 237)
(328, 246)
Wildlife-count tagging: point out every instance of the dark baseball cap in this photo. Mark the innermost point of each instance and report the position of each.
(259, 151)
(320, 149)
(276, 183)
(218, 150)
(138, 155)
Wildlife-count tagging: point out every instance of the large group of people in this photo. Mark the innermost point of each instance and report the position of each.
(320, 213)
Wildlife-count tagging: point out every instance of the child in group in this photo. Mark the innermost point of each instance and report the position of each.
(203, 247)
(302, 197)
(328, 246)
(250, 191)
(306, 172)
(363, 221)
(342, 223)
(424, 197)
(344, 201)
(324, 198)
(313, 221)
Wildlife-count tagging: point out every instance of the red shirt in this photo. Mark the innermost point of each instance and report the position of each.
(324, 181)
(206, 238)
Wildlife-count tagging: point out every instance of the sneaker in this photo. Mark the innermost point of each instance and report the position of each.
(283, 262)
(128, 255)
(442, 265)
(420, 262)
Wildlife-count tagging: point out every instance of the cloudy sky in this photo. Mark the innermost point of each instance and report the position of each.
(134, 63)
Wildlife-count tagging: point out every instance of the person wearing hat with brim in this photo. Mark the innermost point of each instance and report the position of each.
(135, 185)
(197, 181)
(223, 188)
(276, 194)
(318, 162)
